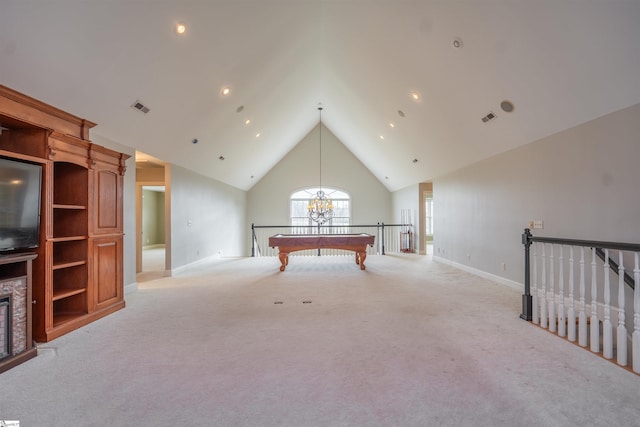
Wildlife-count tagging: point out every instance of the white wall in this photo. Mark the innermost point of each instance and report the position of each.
(268, 200)
(582, 182)
(207, 218)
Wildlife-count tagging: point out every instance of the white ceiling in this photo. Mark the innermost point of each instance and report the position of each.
(561, 63)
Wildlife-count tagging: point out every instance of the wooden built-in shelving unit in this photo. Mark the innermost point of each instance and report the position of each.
(69, 252)
(77, 275)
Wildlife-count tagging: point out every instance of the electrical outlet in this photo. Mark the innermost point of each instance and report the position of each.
(531, 224)
(538, 224)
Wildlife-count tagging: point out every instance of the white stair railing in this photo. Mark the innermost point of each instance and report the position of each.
(562, 320)
(582, 319)
(595, 324)
(554, 307)
(607, 329)
(622, 329)
(571, 314)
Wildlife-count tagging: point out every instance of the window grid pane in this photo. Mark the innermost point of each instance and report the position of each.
(341, 209)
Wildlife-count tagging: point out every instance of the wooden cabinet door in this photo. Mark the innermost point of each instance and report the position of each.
(105, 228)
(106, 181)
(107, 202)
(106, 254)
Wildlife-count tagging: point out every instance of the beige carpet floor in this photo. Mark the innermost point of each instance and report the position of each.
(235, 342)
(153, 264)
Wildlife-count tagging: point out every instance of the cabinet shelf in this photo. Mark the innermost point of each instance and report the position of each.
(60, 319)
(70, 222)
(68, 265)
(71, 207)
(68, 238)
(65, 293)
(68, 304)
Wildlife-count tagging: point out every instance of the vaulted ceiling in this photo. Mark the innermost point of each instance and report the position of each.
(558, 62)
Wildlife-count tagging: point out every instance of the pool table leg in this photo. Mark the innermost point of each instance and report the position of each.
(284, 260)
(360, 257)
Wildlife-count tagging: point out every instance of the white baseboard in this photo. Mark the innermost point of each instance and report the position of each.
(501, 280)
(185, 267)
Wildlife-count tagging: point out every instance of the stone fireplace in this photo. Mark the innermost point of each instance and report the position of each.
(16, 344)
(13, 317)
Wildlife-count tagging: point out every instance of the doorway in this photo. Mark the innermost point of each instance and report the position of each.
(152, 218)
(153, 236)
(428, 208)
(425, 207)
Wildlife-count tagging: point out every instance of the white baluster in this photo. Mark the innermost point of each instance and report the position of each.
(552, 291)
(562, 321)
(607, 329)
(582, 316)
(571, 316)
(622, 329)
(544, 317)
(535, 318)
(636, 316)
(595, 322)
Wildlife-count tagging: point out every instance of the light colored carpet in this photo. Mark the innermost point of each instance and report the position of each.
(153, 264)
(235, 342)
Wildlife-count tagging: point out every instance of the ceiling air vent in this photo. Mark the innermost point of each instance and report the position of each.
(488, 117)
(140, 107)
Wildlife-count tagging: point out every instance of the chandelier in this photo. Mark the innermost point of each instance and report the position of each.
(320, 207)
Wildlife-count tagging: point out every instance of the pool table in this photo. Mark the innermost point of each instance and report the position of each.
(287, 243)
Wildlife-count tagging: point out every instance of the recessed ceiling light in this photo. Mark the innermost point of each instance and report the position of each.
(225, 91)
(382, 137)
(386, 177)
(457, 43)
(247, 122)
(181, 28)
(239, 109)
(401, 113)
(258, 135)
(415, 160)
(221, 157)
(392, 125)
(507, 106)
(416, 96)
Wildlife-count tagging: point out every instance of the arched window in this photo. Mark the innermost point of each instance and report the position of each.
(300, 203)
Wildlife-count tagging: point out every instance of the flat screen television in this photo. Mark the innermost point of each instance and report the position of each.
(19, 205)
